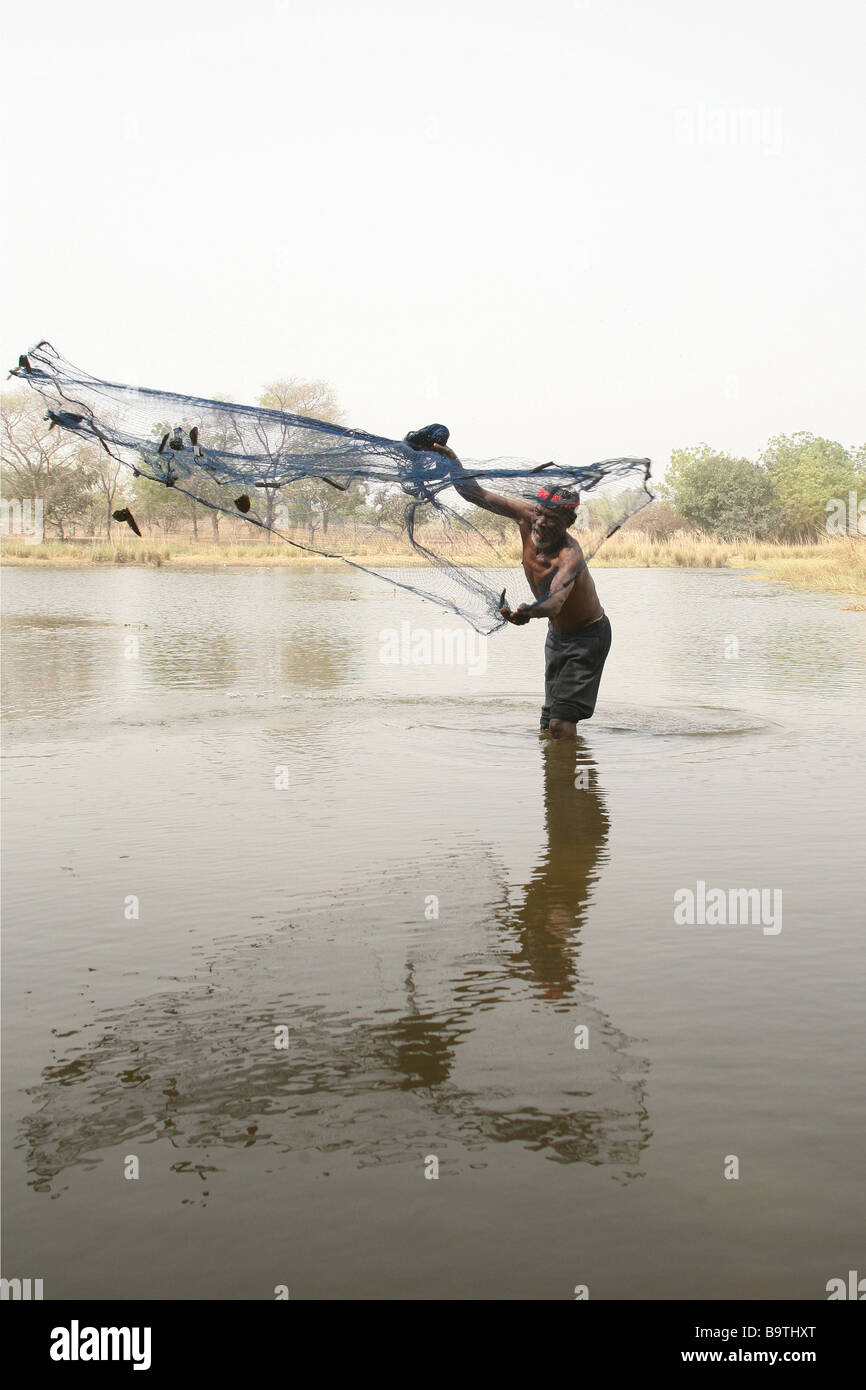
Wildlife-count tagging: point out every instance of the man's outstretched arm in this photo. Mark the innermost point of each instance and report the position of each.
(513, 507)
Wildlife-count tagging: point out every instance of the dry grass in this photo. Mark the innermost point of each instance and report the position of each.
(834, 565)
(180, 553)
(184, 552)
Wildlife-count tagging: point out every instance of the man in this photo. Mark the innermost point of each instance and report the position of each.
(579, 635)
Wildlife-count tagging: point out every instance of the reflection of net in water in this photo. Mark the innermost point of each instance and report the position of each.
(375, 503)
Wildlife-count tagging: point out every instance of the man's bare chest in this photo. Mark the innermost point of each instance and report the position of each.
(540, 569)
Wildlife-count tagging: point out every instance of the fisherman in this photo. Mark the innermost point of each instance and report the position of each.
(579, 635)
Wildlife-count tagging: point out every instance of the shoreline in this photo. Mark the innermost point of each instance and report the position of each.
(835, 566)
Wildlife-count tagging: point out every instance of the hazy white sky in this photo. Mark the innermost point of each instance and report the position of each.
(568, 229)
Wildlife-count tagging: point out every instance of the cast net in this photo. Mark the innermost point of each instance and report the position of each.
(398, 509)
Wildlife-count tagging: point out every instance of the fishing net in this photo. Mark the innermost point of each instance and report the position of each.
(389, 507)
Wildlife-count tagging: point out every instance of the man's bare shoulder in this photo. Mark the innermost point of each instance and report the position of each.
(572, 552)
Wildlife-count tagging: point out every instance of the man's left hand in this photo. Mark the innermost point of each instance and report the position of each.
(448, 452)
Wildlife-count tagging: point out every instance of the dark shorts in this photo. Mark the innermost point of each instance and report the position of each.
(574, 663)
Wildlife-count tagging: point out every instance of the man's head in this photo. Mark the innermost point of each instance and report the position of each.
(555, 512)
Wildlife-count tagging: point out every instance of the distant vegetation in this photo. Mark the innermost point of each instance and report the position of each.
(790, 503)
(790, 493)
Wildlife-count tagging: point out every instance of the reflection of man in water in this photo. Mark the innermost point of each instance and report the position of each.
(557, 896)
(336, 1087)
(578, 638)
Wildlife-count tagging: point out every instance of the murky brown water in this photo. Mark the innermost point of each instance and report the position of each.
(381, 858)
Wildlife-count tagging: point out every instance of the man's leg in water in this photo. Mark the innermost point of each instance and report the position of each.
(574, 663)
(544, 727)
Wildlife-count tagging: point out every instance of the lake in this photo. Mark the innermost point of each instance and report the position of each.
(322, 972)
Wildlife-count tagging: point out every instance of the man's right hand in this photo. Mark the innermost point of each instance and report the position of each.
(517, 616)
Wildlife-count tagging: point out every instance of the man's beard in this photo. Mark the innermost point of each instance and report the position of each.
(549, 540)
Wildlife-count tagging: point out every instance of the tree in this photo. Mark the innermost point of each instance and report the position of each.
(808, 472)
(659, 522)
(730, 497)
(383, 505)
(67, 498)
(44, 464)
(198, 488)
(316, 400)
(153, 504)
(106, 473)
(29, 448)
(605, 512)
(207, 490)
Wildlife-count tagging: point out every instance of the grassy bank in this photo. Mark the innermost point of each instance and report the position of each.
(832, 566)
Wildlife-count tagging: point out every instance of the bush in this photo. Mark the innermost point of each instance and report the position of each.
(658, 522)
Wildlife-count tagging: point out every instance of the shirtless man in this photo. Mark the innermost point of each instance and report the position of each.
(579, 636)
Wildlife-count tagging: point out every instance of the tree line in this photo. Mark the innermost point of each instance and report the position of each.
(793, 491)
(797, 489)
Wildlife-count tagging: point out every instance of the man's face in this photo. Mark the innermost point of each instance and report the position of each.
(548, 527)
